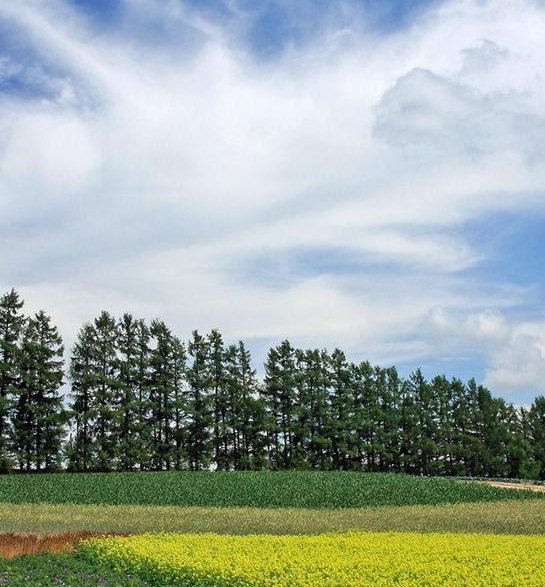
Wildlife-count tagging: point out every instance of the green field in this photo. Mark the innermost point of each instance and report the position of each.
(283, 489)
(243, 503)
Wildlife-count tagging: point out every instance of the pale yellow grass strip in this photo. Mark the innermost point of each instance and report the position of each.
(514, 517)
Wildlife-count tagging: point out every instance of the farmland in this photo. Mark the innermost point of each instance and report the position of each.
(238, 505)
(289, 489)
(329, 560)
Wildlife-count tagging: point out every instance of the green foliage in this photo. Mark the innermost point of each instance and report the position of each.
(11, 324)
(40, 418)
(294, 489)
(70, 570)
(141, 399)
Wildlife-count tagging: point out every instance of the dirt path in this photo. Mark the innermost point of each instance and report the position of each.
(13, 544)
(508, 485)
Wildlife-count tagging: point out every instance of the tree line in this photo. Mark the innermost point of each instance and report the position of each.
(140, 398)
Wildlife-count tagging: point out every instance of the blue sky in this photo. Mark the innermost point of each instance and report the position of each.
(367, 175)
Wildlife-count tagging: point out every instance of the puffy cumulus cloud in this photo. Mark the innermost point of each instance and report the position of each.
(519, 364)
(513, 352)
(427, 115)
(164, 165)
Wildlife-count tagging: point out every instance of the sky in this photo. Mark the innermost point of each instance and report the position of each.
(366, 175)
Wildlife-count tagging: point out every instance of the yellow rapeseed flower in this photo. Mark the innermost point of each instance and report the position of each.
(351, 559)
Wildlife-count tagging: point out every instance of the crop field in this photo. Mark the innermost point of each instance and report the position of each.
(513, 516)
(328, 560)
(287, 489)
(326, 529)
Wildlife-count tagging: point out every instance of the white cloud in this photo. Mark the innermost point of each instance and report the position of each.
(166, 173)
(514, 352)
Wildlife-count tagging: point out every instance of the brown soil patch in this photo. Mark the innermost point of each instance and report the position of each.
(507, 485)
(14, 544)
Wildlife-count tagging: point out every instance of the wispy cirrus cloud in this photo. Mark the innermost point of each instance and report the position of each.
(323, 189)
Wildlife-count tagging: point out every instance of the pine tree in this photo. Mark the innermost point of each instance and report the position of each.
(166, 375)
(180, 405)
(389, 430)
(40, 417)
(94, 373)
(132, 401)
(106, 393)
(281, 395)
(343, 426)
(425, 445)
(245, 412)
(519, 456)
(11, 324)
(366, 417)
(536, 428)
(83, 377)
(313, 414)
(221, 439)
(200, 419)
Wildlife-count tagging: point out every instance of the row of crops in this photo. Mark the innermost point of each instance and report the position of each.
(295, 489)
(326, 560)
(349, 559)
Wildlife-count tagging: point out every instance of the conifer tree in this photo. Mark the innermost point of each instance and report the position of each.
(94, 374)
(106, 393)
(536, 434)
(281, 395)
(221, 439)
(39, 417)
(245, 417)
(132, 401)
(200, 419)
(180, 405)
(425, 445)
(83, 378)
(367, 413)
(11, 324)
(389, 425)
(342, 429)
(162, 394)
(313, 414)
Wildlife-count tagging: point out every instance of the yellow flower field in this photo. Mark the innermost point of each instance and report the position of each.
(350, 559)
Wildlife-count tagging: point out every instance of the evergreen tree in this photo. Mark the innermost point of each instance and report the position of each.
(94, 372)
(221, 438)
(11, 324)
(313, 415)
(519, 457)
(107, 391)
(280, 390)
(180, 405)
(458, 429)
(83, 377)
(131, 404)
(367, 417)
(409, 422)
(390, 400)
(426, 445)
(164, 384)
(536, 430)
(199, 381)
(39, 417)
(245, 412)
(342, 425)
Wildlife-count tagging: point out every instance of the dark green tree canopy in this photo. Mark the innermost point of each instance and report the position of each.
(140, 398)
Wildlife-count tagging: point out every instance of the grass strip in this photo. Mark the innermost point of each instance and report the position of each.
(508, 517)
